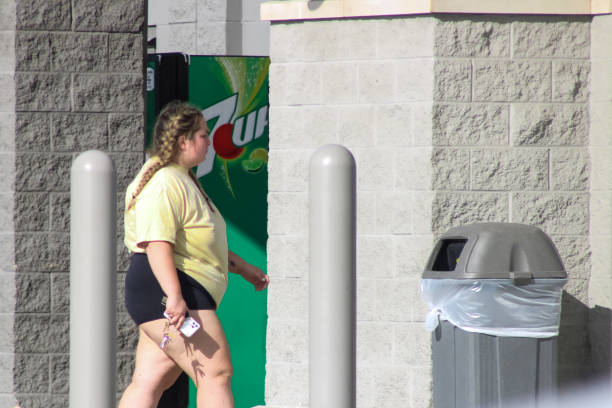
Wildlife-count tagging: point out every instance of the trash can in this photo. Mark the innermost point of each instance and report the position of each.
(493, 292)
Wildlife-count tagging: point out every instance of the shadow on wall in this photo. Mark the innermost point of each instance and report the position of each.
(584, 343)
(314, 5)
(600, 336)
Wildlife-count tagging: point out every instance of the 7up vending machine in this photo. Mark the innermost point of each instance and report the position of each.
(233, 95)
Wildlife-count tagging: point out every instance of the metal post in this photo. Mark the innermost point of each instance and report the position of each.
(332, 278)
(93, 281)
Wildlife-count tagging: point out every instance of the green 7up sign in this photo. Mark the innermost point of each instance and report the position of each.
(233, 95)
(230, 136)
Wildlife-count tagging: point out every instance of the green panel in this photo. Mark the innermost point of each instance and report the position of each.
(237, 180)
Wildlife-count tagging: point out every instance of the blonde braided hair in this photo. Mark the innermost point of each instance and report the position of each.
(175, 119)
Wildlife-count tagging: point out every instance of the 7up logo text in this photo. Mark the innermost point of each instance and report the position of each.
(229, 135)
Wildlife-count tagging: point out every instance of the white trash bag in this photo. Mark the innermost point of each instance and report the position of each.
(497, 307)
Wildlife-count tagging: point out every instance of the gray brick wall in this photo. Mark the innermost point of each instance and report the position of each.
(511, 110)
(600, 282)
(78, 86)
(367, 84)
(7, 197)
(209, 27)
(452, 119)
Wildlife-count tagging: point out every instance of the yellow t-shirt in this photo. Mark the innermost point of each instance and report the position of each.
(171, 208)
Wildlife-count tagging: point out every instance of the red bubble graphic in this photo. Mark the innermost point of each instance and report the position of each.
(222, 142)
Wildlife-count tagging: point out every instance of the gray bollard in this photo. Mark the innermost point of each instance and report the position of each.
(93, 281)
(332, 278)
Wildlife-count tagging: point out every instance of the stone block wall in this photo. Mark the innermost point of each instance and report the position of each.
(209, 27)
(452, 119)
(178, 28)
(366, 84)
(247, 34)
(78, 85)
(7, 197)
(511, 141)
(600, 282)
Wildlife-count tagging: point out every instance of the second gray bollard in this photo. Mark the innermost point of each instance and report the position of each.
(332, 278)
(93, 277)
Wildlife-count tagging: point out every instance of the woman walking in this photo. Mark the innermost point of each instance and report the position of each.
(178, 268)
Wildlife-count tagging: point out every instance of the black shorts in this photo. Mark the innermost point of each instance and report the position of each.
(143, 295)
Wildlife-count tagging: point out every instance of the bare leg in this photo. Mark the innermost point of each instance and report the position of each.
(154, 373)
(204, 357)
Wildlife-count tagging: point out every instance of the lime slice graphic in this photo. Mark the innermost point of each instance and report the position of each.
(259, 154)
(253, 166)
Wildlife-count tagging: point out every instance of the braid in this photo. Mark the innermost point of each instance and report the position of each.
(148, 174)
(176, 119)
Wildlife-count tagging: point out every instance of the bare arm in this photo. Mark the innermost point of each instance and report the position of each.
(249, 272)
(160, 257)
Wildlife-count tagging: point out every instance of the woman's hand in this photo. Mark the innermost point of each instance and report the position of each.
(255, 276)
(175, 310)
(249, 272)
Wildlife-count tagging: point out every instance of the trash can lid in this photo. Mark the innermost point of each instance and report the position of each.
(495, 251)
